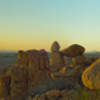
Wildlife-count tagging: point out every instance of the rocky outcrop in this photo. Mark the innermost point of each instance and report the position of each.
(91, 76)
(37, 63)
(34, 77)
(56, 58)
(73, 50)
(31, 68)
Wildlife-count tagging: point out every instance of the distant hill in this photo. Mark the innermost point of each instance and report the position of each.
(93, 54)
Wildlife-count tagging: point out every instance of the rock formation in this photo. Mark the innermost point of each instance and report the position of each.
(35, 76)
(31, 68)
(56, 58)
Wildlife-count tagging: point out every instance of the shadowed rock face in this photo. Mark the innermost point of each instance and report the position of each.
(73, 50)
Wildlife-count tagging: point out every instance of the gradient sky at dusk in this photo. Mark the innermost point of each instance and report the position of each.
(35, 24)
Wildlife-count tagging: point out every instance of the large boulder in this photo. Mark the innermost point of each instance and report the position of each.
(73, 50)
(56, 58)
(91, 76)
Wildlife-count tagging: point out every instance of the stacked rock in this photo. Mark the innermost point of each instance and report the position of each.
(56, 58)
(76, 52)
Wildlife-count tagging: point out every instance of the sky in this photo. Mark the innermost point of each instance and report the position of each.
(36, 24)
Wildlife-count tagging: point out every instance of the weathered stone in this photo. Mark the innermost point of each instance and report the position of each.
(73, 50)
(19, 82)
(56, 61)
(91, 76)
(37, 63)
(38, 59)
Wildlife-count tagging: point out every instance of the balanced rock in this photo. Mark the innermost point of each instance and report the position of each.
(91, 76)
(56, 58)
(73, 50)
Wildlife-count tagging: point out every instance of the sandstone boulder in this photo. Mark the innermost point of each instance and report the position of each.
(73, 50)
(91, 76)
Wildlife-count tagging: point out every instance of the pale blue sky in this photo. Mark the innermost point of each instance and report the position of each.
(29, 24)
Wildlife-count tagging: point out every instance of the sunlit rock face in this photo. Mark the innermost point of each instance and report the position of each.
(91, 76)
(73, 50)
(56, 58)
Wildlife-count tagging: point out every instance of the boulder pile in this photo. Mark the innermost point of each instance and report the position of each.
(63, 75)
